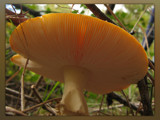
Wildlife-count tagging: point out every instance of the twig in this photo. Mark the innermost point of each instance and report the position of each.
(72, 8)
(24, 8)
(151, 94)
(10, 109)
(37, 84)
(112, 6)
(139, 108)
(110, 10)
(128, 102)
(150, 30)
(102, 113)
(14, 9)
(40, 104)
(115, 96)
(8, 12)
(151, 78)
(39, 81)
(36, 93)
(47, 107)
(16, 14)
(9, 79)
(15, 18)
(65, 7)
(151, 64)
(22, 86)
(138, 20)
(146, 41)
(101, 103)
(11, 96)
(143, 89)
(98, 13)
(16, 93)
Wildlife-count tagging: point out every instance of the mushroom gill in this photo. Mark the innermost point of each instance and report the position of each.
(80, 51)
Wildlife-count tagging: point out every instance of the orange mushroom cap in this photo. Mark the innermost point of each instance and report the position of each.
(113, 58)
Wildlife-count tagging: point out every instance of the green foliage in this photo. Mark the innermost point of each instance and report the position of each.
(9, 29)
(31, 76)
(93, 15)
(57, 83)
(57, 8)
(48, 10)
(83, 6)
(75, 11)
(82, 12)
(32, 6)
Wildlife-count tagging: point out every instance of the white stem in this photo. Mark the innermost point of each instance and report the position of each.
(73, 101)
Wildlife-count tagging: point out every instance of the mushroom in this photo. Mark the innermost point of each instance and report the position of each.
(83, 52)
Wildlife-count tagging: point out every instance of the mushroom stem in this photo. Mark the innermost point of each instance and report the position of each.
(73, 101)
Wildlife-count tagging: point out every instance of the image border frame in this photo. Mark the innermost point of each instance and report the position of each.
(156, 4)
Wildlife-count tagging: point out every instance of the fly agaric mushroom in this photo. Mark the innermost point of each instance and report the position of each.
(80, 51)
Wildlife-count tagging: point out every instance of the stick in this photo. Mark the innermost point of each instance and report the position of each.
(16, 93)
(128, 102)
(37, 84)
(151, 78)
(138, 20)
(24, 8)
(101, 103)
(10, 109)
(143, 89)
(146, 41)
(115, 96)
(40, 104)
(97, 12)
(151, 64)
(47, 107)
(22, 86)
(110, 10)
(9, 79)
(112, 6)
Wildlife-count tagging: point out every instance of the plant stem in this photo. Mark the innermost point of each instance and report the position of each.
(143, 89)
(22, 86)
